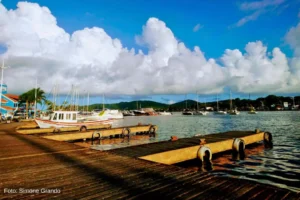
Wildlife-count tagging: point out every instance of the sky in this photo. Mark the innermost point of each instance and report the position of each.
(153, 50)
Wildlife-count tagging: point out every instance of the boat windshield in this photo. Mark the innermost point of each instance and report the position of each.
(55, 116)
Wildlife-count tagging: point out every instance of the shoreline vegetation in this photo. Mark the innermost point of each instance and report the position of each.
(269, 103)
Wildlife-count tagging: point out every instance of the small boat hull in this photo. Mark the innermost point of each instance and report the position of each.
(42, 123)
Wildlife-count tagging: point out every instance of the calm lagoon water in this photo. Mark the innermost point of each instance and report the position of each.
(278, 166)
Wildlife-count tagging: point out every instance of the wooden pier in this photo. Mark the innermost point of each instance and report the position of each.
(60, 170)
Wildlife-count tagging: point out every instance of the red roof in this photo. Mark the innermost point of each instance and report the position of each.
(13, 97)
(3, 101)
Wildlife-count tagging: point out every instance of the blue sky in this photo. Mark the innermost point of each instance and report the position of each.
(123, 19)
(217, 21)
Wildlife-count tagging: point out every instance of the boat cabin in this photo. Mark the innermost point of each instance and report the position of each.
(64, 116)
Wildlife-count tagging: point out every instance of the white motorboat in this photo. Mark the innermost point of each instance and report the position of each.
(164, 113)
(68, 119)
(110, 114)
(220, 112)
(200, 113)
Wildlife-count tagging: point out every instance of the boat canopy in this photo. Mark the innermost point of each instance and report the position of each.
(64, 116)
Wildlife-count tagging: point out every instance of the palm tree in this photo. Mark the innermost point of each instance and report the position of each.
(29, 98)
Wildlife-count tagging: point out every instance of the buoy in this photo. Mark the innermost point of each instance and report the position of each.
(204, 154)
(173, 138)
(238, 145)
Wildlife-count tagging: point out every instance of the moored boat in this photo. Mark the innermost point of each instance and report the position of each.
(233, 112)
(220, 112)
(68, 119)
(187, 112)
(200, 113)
(164, 113)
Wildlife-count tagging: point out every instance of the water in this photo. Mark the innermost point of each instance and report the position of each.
(278, 166)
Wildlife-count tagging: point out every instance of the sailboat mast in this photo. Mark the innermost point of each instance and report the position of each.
(88, 101)
(185, 101)
(217, 102)
(35, 94)
(230, 101)
(197, 102)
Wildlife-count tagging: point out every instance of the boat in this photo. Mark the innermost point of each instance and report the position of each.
(149, 111)
(232, 111)
(164, 113)
(252, 110)
(200, 113)
(219, 112)
(68, 119)
(187, 112)
(128, 113)
(140, 113)
(109, 113)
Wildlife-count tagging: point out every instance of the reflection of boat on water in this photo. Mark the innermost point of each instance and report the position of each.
(68, 119)
(164, 113)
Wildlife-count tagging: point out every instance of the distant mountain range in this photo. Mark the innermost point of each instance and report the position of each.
(268, 103)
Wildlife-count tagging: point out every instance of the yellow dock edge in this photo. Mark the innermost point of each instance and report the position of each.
(103, 133)
(190, 153)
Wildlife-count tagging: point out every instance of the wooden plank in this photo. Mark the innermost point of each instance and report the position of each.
(104, 133)
(189, 153)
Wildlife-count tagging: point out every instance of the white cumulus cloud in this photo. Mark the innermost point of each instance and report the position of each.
(96, 62)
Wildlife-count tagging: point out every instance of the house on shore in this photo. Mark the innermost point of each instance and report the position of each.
(9, 102)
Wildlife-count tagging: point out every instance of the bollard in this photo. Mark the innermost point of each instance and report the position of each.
(174, 138)
(204, 154)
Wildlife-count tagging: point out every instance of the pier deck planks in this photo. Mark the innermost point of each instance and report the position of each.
(158, 147)
(33, 162)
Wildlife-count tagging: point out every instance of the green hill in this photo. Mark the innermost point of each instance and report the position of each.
(133, 105)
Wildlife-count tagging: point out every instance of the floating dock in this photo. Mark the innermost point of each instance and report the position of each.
(33, 167)
(172, 152)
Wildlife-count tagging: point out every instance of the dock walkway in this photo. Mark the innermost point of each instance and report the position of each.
(30, 162)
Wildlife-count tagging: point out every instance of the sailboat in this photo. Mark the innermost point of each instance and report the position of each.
(252, 110)
(186, 111)
(219, 112)
(199, 112)
(232, 111)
